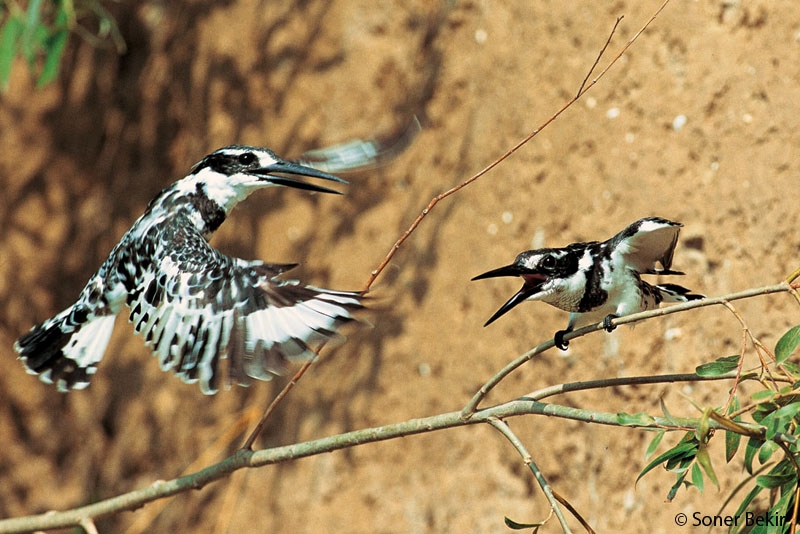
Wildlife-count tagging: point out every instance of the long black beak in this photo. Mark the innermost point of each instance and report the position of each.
(531, 286)
(508, 270)
(288, 167)
(518, 297)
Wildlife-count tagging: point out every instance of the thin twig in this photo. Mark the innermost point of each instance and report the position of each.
(502, 427)
(599, 56)
(791, 278)
(585, 385)
(88, 526)
(760, 348)
(584, 87)
(574, 512)
(739, 367)
(251, 438)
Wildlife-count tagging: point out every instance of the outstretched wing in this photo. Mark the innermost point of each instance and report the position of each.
(199, 307)
(647, 242)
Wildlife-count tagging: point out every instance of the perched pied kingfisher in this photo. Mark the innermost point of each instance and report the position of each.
(193, 305)
(597, 280)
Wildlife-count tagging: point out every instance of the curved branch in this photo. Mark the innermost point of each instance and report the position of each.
(502, 427)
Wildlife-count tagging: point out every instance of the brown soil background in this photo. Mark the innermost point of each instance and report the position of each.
(81, 159)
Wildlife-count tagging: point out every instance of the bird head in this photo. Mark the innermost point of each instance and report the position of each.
(544, 272)
(231, 173)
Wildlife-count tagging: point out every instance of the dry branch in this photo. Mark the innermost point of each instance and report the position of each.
(250, 459)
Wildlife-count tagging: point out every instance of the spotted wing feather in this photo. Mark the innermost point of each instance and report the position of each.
(201, 307)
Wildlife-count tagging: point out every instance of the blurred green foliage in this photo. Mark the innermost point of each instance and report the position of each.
(38, 33)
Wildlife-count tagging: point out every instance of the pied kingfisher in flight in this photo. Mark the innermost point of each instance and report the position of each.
(597, 280)
(193, 305)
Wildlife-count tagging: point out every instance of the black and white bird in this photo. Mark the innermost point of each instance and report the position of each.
(597, 280)
(193, 305)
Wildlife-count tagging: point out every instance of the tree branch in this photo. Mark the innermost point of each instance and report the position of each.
(244, 458)
(502, 427)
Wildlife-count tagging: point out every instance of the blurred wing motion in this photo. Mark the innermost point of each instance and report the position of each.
(358, 154)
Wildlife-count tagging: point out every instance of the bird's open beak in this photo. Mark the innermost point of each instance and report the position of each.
(508, 270)
(532, 285)
(288, 167)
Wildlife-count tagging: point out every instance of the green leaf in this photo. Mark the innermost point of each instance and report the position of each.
(704, 459)
(793, 368)
(787, 343)
(666, 413)
(674, 489)
(763, 394)
(684, 451)
(29, 36)
(732, 440)
(9, 40)
(774, 481)
(55, 49)
(720, 366)
(638, 419)
(780, 419)
(766, 451)
(697, 477)
(750, 450)
(651, 449)
(704, 426)
(735, 405)
(513, 525)
(679, 464)
(783, 474)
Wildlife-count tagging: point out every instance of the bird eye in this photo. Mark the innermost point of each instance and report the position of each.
(548, 262)
(248, 158)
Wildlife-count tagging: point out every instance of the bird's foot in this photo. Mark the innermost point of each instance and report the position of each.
(607, 322)
(558, 339)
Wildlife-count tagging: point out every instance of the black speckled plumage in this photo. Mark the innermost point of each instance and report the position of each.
(193, 305)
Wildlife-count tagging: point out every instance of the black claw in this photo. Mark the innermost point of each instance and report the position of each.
(558, 339)
(607, 322)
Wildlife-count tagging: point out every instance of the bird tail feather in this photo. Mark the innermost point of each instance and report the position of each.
(66, 349)
(676, 293)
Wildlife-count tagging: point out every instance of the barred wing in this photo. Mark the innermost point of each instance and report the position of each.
(201, 307)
